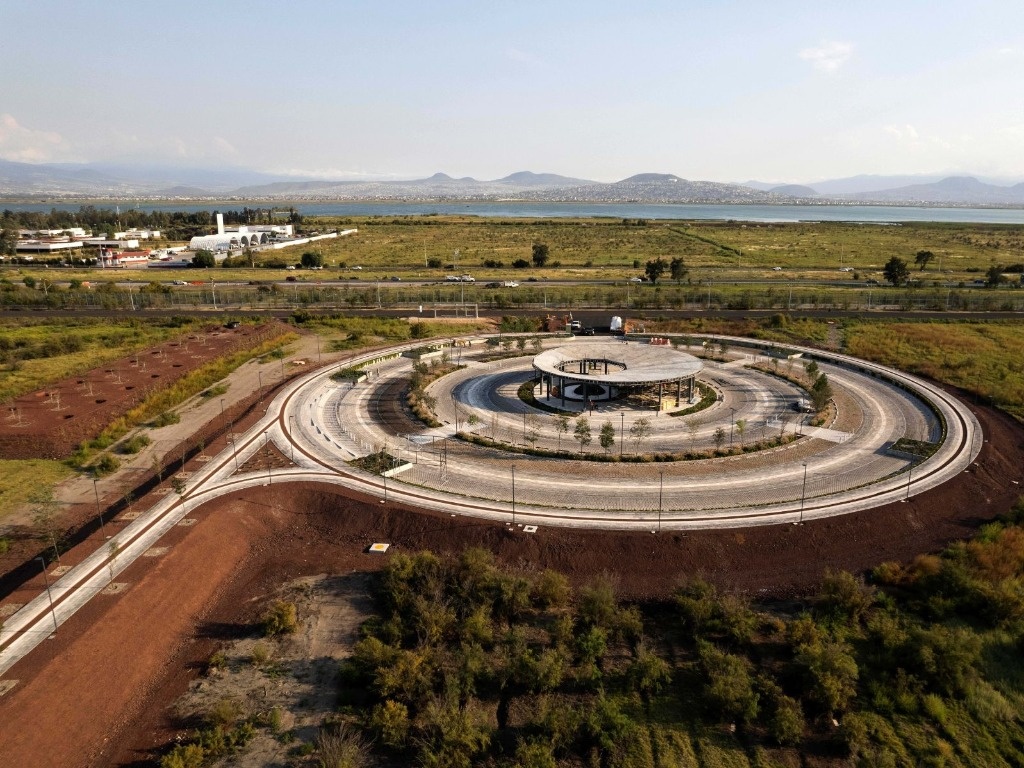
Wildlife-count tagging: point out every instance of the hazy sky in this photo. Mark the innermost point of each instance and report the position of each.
(724, 91)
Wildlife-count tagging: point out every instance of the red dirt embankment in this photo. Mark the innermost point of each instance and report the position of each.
(52, 423)
(98, 694)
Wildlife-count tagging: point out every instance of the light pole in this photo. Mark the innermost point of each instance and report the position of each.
(260, 374)
(731, 423)
(290, 438)
(513, 494)
(49, 594)
(222, 406)
(266, 448)
(234, 445)
(96, 491)
(910, 473)
(318, 359)
(661, 495)
(622, 430)
(803, 495)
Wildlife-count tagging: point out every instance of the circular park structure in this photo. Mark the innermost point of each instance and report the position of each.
(744, 456)
(611, 370)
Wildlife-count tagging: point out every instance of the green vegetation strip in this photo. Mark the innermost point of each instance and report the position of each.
(188, 385)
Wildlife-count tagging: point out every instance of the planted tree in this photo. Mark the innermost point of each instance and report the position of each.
(607, 436)
(640, 431)
(922, 258)
(561, 425)
(582, 432)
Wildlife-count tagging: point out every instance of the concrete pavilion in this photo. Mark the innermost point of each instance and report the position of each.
(604, 370)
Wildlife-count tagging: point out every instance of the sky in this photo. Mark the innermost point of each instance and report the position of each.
(775, 91)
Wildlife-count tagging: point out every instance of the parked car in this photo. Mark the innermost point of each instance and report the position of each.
(587, 332)
(636, 279)
(493, 285)
(395, 279)
(776, 269)
(511, 284)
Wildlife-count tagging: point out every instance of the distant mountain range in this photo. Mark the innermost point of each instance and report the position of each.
(111, 181)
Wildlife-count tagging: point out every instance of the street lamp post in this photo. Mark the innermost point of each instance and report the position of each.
(622, 430)
(661, 495)
(910, 474)
(513, 494)
(260, 374)
(234, 445)
(291, 439)
(731, 424)
(266, 447)
(99, 512)
(803, 495)
(49, 594)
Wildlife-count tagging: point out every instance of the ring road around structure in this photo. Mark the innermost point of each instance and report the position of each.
(322, 425)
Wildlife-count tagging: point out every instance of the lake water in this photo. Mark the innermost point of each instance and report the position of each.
(868, 214)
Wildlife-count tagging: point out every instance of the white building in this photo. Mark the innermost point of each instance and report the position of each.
(247, 236)
(138, 234)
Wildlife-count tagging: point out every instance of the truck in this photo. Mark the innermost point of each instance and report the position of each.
(615, 326)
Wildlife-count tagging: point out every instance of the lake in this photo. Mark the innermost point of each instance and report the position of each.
(867, 214)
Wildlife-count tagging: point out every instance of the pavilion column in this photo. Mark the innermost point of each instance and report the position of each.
(547, 378)
(679, 391)
(661, 390)
(561, 381)
(689, 397)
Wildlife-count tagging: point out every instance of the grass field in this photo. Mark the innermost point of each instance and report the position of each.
(35, 353)
(20, 479)
(610, 249)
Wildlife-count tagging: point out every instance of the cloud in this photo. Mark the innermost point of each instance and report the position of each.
(902, 132)
(26, 145)
(829, 56)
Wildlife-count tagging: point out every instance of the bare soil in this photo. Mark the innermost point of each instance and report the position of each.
(101, 692)
(53, 422)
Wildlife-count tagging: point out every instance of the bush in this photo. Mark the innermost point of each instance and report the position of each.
(280, 619)
(135, 443)
(165, 419)
(105, 465)
(338, 747)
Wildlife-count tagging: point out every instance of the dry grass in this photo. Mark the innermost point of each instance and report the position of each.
(19, 479)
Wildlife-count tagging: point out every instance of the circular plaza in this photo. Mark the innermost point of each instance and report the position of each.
(614, 434)
(606, 371)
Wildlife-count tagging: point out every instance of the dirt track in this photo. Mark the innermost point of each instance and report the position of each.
(98, 693)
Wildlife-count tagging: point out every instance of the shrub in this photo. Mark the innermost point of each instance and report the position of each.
(165, 419)
(260, 655)
(339, 747)
(390, 721)
(280, 619)
(135, 443)
(105, 465)
(184, 756)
